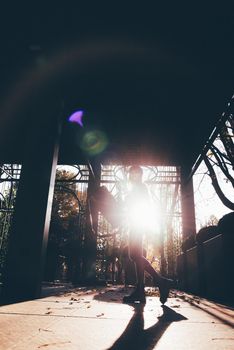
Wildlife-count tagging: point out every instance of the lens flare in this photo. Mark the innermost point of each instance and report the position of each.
(94, 142)
(76, 117)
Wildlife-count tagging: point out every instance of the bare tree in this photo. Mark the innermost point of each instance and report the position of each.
(220, 155)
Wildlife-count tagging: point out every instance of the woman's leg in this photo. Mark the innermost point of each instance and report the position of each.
(135, 254)
(164, 284)
(149, 268)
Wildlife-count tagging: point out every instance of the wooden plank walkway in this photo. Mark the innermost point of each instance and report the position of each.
(96, 319)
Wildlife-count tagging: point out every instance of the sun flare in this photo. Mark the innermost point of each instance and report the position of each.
(143, 215)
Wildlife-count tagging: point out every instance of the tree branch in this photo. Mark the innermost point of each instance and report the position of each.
(222, 155)
(222, 165)
(216, 186)
(68, 190)
(228, 144)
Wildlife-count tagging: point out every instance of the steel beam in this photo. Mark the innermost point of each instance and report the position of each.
(30, 227)
(187, 201)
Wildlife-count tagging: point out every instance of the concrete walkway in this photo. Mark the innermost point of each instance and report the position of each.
(96, 319)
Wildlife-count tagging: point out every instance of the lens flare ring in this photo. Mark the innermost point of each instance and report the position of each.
(94, 142)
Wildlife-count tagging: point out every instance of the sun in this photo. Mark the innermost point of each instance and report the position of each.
(143, 215)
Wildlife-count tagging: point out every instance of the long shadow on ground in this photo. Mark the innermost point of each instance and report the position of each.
(137, 338)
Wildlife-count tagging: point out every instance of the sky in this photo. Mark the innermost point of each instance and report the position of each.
(207, 203)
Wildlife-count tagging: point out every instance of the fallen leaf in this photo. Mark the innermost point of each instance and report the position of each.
(45, 345)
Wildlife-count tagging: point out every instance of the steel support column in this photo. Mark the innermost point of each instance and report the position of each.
(91, 233)
(30, 227)
(187, 199)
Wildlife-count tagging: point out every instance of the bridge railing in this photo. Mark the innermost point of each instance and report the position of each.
(206, 267)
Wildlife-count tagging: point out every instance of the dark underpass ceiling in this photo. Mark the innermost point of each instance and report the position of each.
(154, 81)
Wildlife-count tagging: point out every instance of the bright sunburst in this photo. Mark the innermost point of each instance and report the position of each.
(143, 215)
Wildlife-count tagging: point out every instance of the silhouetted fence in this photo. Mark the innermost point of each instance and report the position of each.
(206, 266)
